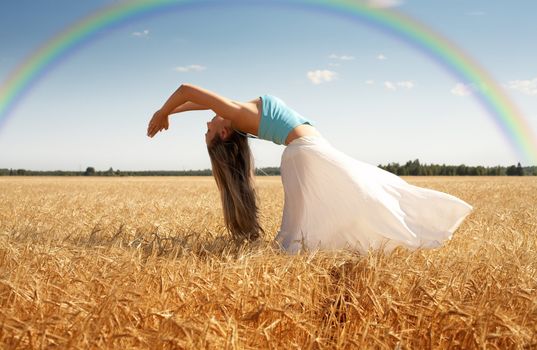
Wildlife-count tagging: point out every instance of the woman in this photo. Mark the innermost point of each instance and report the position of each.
(332, 201)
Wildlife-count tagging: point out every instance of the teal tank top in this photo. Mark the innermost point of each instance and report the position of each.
(277, 120)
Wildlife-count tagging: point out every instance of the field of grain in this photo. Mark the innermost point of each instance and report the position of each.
(146, 263)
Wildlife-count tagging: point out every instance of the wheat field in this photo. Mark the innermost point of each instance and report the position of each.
(146, 263)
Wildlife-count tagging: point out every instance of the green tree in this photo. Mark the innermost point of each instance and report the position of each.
(511, 171)
(519, 170)
(90, 171)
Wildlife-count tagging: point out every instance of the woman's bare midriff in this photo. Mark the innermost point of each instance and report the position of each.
(301, 130)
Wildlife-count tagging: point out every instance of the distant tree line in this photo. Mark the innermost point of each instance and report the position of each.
(415, 168)
(410, 168)
(90, 171)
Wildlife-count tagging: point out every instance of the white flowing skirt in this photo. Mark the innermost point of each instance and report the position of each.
(333, 201)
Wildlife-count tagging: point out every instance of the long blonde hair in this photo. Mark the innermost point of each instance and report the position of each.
(233, 170)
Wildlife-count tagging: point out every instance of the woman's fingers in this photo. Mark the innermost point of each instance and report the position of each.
(157, 123)
(151, 131)
(151, 127)
(154, 129)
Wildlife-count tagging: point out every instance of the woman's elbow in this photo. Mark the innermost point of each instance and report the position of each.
(186, 87)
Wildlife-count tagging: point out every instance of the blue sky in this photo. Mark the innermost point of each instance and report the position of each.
(371, 95)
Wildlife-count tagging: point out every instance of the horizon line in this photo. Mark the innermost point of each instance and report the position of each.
(263, 167)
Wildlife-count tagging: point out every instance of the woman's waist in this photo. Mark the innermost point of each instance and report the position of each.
(306, 146)
(300, 131)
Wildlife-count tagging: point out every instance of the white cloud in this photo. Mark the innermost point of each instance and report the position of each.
(528, 87)
(406, 84)
(321, 76)
(384, 3)
(381, 57)
(190, 68)
(394, 85)
(342, 57)
(461, 90)
(390, 86)
(370, 82)
(142, 34)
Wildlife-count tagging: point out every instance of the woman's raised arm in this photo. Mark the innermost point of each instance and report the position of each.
(188, 106)
(224, 107)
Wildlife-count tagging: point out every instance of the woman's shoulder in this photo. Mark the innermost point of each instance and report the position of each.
(249, 115)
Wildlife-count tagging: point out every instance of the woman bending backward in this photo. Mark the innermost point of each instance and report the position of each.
(332, 201)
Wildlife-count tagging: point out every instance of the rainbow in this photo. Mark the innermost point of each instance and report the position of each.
(487, 92)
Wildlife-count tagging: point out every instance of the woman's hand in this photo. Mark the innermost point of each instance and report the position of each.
(158, 122)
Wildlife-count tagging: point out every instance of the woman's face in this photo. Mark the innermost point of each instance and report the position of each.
(216, 126)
